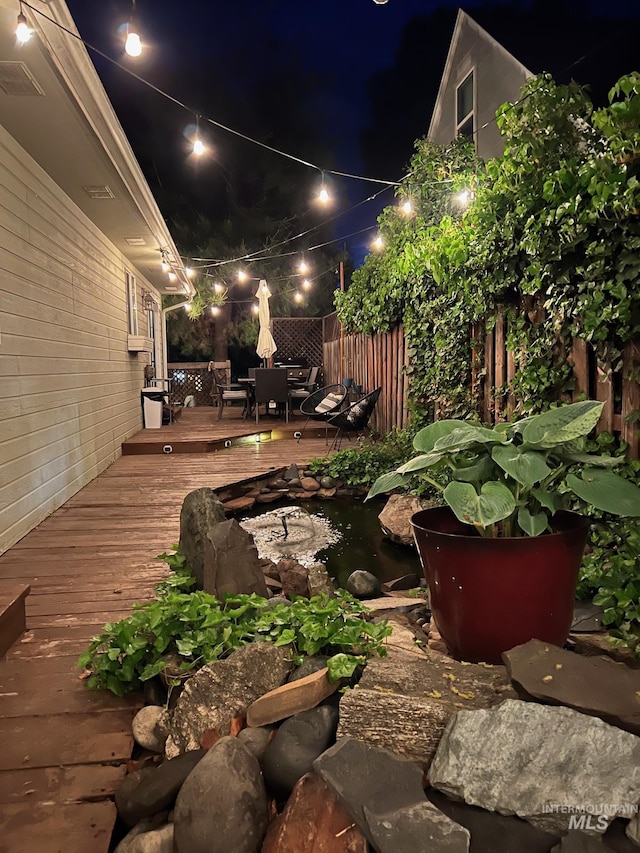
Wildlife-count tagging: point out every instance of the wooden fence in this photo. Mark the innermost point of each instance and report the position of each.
(617, 390)
(373, 361)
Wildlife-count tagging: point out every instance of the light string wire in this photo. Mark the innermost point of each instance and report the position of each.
(206, 118)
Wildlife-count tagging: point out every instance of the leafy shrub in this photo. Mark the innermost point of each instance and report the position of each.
(359, 467)
(199, 628)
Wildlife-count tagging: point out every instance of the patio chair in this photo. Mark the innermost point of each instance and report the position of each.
(223, 393)
(271, 387)
(302, 391)
(355, 418)
(321, 404)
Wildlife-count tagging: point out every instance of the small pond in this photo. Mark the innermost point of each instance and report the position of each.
(355, 539)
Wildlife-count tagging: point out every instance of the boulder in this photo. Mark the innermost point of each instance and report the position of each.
(222, 690)
(294, 578)
(542, 763)
(403, 702)
(313, 820)
(145, 729)
(201, 511)
(222, 806)
(231, 563)
(363, 584)
(370, 781)
(296, 745)
(309, 484)
(154, 788)
(593, 685)
(394, 518)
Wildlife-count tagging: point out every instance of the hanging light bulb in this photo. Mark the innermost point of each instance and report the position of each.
(133, 45)
(381, 2)
(255, 309)
(297, 296)
(215, 310)
(242, 276)
(198, 144)
(187, 306)
(378, 243)
(323, 195)
(302, 269)
(23, 33)
(189, 272)
(218, 287)
(306, 284)
(407, 207)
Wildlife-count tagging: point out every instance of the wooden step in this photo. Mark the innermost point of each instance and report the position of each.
(12, 612)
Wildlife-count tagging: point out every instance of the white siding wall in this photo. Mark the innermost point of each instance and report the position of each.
(69, 389)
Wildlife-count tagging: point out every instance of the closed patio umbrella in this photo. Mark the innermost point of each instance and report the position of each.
(266, 345)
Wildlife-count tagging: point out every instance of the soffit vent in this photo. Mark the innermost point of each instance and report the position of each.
(170, 289)
(136, 241)
(99, 192)
(16, 79)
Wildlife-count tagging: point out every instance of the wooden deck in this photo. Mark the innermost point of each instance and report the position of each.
(64, 748)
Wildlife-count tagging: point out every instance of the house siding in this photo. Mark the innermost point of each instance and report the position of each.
(498, 79)
(70, 389)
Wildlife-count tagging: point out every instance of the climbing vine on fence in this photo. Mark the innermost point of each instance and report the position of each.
(553, 235)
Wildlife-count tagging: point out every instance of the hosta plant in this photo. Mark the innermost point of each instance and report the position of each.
(510, 480)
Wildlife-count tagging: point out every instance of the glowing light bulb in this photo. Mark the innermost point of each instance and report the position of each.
(255, 309)
(381, 2)
(189, 272)
(303, 267)
(198, 147)
(133, 45)
(323, 196)
(378, 243)
(297, 296)
(23, 33)
(218, 287)
(306, 284)
(215, 310)
(187, 306)
(242, 276)
(407, 208)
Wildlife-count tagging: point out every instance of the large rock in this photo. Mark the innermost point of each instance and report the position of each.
(146, 792)
(222, 806)
(404, 702)
(363, 584)
(294, 578)
(594, 685)
(420, 826)
(145, 729)
(319, 581)
(223, 690)
(394, 518)
(201, 511)
(370, 781)
(296, 745)
(231, 563)
(540, 763)
(313, 820)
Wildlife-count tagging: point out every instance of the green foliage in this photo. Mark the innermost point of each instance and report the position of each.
(361, 466)
(512, 479)
(199, 628)
(552, 238)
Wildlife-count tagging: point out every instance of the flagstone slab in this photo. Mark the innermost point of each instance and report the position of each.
(597, 686)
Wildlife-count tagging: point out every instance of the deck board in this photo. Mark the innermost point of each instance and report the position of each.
(64, 748)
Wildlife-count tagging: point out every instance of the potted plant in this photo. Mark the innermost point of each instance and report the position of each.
(502, 557)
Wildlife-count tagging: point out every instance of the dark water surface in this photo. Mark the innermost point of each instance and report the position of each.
(362, 544)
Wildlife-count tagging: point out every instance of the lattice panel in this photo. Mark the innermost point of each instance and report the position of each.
(188, 380)
(298, 338)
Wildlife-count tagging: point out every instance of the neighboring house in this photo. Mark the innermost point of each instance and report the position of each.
(479, 76)
(80, 242)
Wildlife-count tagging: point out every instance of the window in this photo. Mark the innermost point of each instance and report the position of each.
(132, 305)
(465, 107)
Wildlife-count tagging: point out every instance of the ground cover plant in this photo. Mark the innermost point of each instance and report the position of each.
(199, 628)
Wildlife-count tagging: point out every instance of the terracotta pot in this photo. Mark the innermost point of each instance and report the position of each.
(489, 595)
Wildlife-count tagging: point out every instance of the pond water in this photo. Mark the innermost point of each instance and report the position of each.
(355, 539)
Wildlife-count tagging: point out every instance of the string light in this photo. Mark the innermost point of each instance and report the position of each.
(323, 195)
(297, 296)
(406, 207)
(218, 287)
(303, 268)
(378, 243)
(242, 276)
(133, 45)
(255, 309)
(23, 33)
(215, 310)
(198, 144)
(189, 272)
(306, 284)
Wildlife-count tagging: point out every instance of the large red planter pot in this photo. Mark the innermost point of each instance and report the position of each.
(489, 595)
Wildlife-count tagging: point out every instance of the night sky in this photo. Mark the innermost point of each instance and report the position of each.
(208, 54)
